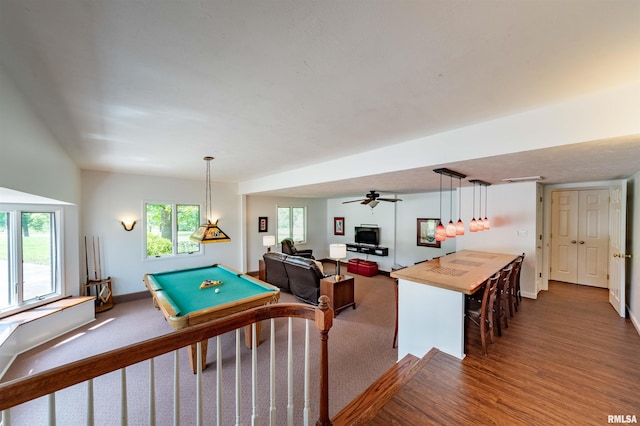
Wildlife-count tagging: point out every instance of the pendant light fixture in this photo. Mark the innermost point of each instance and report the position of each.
(485, 221)
(451, 230)
(451, 227)
(473, 225)
(441, 233)
(209, 232)
(479, 222)
(460, 224)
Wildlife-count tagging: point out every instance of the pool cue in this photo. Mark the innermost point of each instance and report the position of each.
(95, 274)
(99, 265)
(86, 267)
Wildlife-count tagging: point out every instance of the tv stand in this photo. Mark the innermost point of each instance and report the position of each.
(366, 249)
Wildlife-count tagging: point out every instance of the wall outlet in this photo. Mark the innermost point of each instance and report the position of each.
(522, 233)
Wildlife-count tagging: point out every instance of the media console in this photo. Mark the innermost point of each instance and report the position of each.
(366, 249)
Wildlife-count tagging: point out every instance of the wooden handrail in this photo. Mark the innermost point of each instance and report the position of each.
(21, 390)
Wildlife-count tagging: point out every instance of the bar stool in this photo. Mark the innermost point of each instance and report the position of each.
(501, 306)
(481, 313)
(515, 285)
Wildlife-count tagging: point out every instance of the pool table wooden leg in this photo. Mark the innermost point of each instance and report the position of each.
(193, 355)
(247, 334)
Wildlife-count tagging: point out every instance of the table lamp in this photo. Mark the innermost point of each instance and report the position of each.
(337, 252)
(268, 241)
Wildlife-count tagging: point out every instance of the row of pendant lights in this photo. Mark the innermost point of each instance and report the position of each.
(454, 229)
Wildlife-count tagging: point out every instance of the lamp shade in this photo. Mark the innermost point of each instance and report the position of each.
(269, 240)
(337, 251)
(441, 232)
(460, 227)
(451, 230)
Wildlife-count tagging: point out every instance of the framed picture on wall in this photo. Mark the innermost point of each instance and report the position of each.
(427, 232)
(338, 226)
(263, 224)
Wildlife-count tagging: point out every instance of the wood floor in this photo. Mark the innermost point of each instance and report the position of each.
(566, 358)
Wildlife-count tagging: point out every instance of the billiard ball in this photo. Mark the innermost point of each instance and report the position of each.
(217, 290)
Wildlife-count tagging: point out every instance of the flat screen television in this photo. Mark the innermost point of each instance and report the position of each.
(367, 235)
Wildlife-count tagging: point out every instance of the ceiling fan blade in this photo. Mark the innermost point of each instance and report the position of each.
(352, 201)
(367, 201)
(393, 200)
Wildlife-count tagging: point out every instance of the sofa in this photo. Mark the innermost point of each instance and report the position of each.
(294, 274)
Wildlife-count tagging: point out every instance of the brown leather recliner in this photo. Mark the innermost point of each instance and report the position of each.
(289, 248)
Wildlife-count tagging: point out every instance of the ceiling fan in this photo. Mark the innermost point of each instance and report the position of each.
(372, 199)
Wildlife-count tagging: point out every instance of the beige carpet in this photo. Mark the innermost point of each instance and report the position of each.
(360, 350)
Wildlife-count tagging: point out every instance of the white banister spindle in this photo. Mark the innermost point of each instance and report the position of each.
(152, 393)
(272, 375)
(254, 375)
(199, 362)
(290, 373)
(238, 390)
(123, 397)
(218, 382)
(176, 388)
(52, 409)
(90, 410)
(306, 374)
(6, 417)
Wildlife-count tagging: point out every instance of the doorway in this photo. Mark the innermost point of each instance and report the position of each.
(580, 236)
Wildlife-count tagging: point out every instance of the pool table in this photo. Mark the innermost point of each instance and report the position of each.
(192, 296)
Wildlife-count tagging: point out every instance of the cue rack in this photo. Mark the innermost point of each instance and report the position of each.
(95, 285)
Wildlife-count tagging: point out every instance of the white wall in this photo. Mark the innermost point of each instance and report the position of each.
(633, 264)
(109, 197)
(32, 162)
(257, 206)
(512, 211)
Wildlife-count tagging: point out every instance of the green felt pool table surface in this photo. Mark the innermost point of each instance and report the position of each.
(178, 293)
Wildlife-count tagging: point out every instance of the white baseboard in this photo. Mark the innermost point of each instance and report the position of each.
(634, 321)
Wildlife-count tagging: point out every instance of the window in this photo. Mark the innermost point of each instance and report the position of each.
(29, 261)
(292, 223)
(169, 227)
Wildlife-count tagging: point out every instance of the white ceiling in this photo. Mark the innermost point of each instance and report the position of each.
(150, 87)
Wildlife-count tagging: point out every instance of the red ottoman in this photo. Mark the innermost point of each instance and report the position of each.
(352, 266)
(367, 268)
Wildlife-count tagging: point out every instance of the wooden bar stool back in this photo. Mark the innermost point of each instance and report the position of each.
(481, 312)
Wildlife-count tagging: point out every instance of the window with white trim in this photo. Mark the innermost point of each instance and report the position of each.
(292, 223)
(30, 263)
(168, 228)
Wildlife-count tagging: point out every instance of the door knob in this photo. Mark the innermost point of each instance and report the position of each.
(573, 241)
(581, 242)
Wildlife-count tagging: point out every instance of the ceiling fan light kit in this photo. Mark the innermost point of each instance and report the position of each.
(372, 199)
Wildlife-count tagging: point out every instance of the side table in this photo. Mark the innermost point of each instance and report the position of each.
(341, 292)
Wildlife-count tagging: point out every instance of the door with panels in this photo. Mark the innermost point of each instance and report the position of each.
(580, 236)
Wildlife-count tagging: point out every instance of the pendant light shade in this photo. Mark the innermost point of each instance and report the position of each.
(451, 227)
(460, 224)
(485, 221)
(473, 225)
(209, 232)
(441, 232)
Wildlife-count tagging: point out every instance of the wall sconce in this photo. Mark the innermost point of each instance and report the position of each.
(128, 224)
(337, 252)
(268, 241)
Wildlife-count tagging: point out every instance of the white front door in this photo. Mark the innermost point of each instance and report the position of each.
(617, 247)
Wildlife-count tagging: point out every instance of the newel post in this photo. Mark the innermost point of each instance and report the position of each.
(324, 321)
